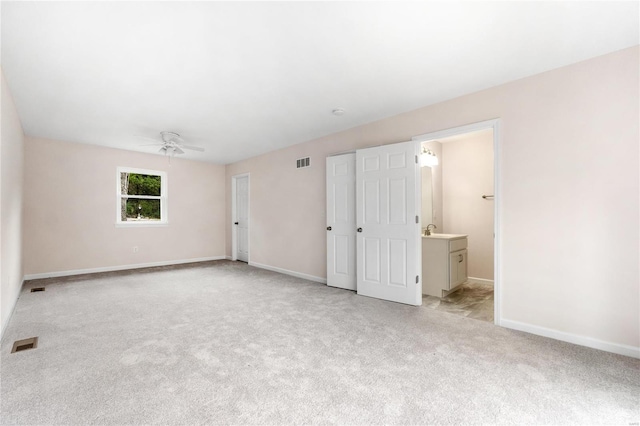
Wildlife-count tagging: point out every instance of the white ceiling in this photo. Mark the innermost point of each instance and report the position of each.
(242, 78)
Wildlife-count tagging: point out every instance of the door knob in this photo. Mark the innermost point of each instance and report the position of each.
(328, 228)
(359, 229)
(235, 223)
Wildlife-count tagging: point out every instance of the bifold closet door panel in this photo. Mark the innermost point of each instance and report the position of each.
(341, 221)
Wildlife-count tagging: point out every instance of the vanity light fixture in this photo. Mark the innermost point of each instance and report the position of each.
(428, 158)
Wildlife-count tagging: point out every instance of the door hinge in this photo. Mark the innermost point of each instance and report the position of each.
(416, 159)
(417, 279)
(417, 219)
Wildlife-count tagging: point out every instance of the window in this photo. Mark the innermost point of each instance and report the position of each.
(142, 197)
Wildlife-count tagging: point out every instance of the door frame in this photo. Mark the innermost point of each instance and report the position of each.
(493, 124)
(234, 215)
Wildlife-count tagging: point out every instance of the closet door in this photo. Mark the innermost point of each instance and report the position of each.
(388, 232)
(341, 221)
(242, 218)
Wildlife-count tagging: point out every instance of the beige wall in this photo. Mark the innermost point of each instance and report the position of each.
(569, 207)
(70, 209)
(467, 174)
(11, 166)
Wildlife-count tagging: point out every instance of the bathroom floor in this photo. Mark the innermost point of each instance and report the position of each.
(471, 300)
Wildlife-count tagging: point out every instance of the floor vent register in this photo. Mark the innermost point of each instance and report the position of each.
(25, 344)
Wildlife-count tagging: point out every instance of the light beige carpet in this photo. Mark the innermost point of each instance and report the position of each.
(226, 343)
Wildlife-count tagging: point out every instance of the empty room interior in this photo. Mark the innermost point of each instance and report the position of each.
(320, 212)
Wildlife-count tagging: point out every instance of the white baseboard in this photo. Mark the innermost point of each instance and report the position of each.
(288, 272)
(13, 308)
(474, 280)
(118, 268)
(589, 342)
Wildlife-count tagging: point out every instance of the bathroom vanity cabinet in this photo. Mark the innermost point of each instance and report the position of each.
(444, 263)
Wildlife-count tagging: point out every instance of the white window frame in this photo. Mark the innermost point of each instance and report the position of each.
(164, 183)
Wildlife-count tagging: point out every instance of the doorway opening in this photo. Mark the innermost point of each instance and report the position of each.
(240, 187)
(460, 221)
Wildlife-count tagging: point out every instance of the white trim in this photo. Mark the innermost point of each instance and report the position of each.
(119, 268)
(335, 154)
(417, 234)
(234, 232)
(616, 348)
(474, 280)
(467, 128)
(288, 272)
(13, 308)
(497, 231)
(493, 124)
(139, 171)
(142, 224)
(164, 199)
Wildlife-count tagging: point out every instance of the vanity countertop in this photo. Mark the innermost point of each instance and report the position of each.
(446, 236)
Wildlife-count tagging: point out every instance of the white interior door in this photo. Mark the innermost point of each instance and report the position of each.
(341, 221)
(241, 222)
(388, 236)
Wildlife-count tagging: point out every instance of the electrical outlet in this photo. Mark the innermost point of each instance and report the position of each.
(135, 249)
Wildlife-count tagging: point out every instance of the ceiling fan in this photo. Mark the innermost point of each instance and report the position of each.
(171, 143)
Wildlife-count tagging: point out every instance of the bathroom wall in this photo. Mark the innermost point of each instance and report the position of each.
(467, 174)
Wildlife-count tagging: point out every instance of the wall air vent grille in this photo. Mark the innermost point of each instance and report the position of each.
(302, 162)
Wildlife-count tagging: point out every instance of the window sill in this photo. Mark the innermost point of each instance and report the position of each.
(141, 224)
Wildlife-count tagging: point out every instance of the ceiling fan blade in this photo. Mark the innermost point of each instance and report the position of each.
(177, 150)
(163, 150)
(194, 148)
(148, 138)
(151, 144)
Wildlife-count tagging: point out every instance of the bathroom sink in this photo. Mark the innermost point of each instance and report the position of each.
(445, 236)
